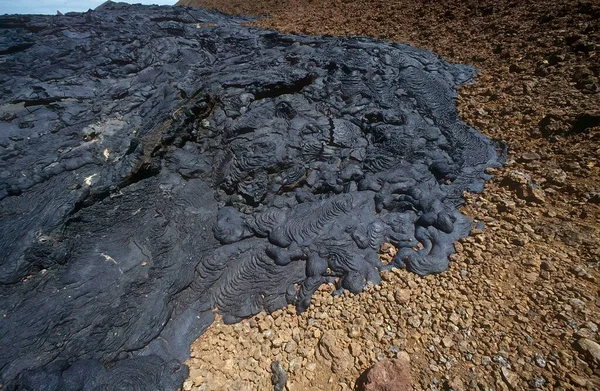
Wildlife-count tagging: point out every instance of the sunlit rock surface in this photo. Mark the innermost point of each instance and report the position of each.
(158, 164)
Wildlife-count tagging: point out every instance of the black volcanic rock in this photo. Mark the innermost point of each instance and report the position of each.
(158, 164)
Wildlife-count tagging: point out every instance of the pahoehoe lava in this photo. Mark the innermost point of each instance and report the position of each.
(161, 164)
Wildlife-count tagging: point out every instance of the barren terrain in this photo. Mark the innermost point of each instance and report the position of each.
(520, 303)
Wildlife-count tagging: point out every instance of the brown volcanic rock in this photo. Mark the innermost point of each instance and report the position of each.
(390, 375)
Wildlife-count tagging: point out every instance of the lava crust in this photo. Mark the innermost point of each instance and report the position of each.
(161, 164)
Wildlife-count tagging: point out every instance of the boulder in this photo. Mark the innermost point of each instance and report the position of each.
(389, 375)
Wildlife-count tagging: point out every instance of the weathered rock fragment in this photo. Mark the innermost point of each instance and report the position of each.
(389, 375)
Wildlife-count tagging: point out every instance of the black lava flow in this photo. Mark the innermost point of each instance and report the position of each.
(159, 165)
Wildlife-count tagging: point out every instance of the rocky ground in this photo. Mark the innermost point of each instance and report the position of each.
(519, 306)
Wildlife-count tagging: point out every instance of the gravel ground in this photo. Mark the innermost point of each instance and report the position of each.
(519, 306)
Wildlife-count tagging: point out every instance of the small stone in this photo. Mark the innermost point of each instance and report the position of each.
(516, 68)
(566, 358)
(456, 384)
(355, 349)
(537, 382)
(187, 385)
(278, 376)
(355, 331)
(291, 347)
(554, 59)
(579, 271)
(539, 360)
(594, 198)
(530, 156)
(296, 334)
(330, 350)
(532, 276)
(577, 303)
(528, 87)
(402, 295)
(506, 205)
(294, 364)
(198, 380)
(321, 315)
(414, 321)
(557, 177)
(500, 360)
(447, 341)
(510, 378)
(533, 193)
(454, 318)
(516, 178)
(589, 347)
(263, 325)
(548, 266)
(278, 342)
(564, 316)
(532, 262)
(578, 380)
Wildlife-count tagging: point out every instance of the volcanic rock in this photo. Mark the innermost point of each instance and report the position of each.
(162, 164)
